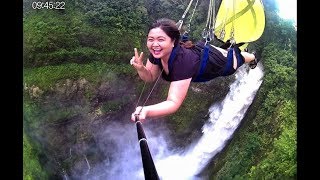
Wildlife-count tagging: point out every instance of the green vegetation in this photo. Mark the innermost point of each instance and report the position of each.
(280, 162)
(199, 102)
(32, 168)
(82, 33)
(50, 108)
(72, 58)
(46, 76)
(266, 143)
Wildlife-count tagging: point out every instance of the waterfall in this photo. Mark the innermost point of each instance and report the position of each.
(224, 119)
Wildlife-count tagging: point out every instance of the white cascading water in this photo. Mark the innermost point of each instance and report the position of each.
(224, 120)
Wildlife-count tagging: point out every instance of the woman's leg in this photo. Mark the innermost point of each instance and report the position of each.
(248, 57)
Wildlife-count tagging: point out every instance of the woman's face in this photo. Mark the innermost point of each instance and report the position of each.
(159, 44)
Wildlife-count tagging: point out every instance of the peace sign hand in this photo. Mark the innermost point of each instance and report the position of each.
(136, 60)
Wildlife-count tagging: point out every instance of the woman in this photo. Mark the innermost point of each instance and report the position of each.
(180, 65)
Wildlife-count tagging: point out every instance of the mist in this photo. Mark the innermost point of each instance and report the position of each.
(122, 151)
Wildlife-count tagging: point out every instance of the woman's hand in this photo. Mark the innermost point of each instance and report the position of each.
(136, 60)
(141, 115)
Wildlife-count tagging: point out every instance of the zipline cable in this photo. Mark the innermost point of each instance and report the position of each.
(154, 85)
(180, 22)
(189, 24)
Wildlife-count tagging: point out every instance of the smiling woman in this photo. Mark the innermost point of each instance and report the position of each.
(288, 9)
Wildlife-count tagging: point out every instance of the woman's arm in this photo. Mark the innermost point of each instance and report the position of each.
(150, 72)
(147, 73)
(176, 95)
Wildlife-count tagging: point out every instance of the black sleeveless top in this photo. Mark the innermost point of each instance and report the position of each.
(184, 65)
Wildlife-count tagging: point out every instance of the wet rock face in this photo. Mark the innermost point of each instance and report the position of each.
(67, 118)
(33, 91)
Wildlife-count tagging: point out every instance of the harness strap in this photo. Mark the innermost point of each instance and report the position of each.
(171, 58)
(240, 59)
(229, 65)
(203, 63)
(229, 62)
(185, 37)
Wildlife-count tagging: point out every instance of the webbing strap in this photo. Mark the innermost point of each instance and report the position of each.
(229, 62)
(204, 60)
(229, 65)
(240, 59)
(171, 58)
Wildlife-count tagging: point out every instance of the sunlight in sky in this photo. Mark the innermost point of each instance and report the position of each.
(288, 9)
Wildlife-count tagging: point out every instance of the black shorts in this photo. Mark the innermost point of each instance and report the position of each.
(213, 64)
